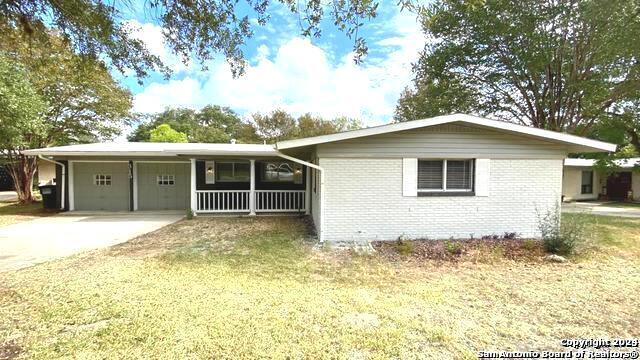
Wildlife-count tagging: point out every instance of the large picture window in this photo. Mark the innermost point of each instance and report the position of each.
(445, 175)
(228, 171)
(587, 182)
(281, 171)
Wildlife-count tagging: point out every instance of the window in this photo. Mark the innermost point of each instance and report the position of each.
(281, 171)
(166, 180)
(102, 180)
(587, 182)
(229, 171)
(445, 175)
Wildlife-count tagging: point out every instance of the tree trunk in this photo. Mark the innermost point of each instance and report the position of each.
(22, 170)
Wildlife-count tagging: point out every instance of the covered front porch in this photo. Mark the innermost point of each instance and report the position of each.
(249, 186)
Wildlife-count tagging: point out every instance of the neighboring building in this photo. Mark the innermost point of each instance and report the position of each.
(581, 181)
(455, 175)
(6, 182)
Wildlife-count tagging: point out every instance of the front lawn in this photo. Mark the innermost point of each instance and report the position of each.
(12, 212)
(254, 288)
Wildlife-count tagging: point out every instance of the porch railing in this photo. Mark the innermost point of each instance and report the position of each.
(223, 200)
(219, 201)
(280, 200)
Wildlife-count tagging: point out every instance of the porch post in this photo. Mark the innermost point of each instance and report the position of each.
(307, 192)
(252, 188)
(194, 198)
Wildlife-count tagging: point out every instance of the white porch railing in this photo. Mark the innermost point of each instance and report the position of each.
(280, 200)
(222, 200)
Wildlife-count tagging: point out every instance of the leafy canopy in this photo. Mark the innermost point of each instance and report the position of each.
(562, 65)
(21, 108)
(164, 133)
(200, 28)
(84, 102)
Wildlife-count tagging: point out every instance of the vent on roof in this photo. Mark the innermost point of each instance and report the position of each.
(233, 141)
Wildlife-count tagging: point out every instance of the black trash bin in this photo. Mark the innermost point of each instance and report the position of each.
(48, 193)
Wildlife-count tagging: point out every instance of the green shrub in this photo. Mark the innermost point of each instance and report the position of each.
(405, 247)
(560, 237)
(453, 247)
(190, 214)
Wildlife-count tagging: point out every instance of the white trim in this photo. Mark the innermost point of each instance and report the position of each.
(482, 177)
(593, 145)
(307, 194)
(71, 187)
(252, 187)
(135, 186)
(409, 176)
(163, 161)
(321, 189)
(194, 199)
(100, 161)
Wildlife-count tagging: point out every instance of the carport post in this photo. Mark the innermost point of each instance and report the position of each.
(194, 198)
(252, 188)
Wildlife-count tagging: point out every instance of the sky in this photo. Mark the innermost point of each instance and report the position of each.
(290, 72)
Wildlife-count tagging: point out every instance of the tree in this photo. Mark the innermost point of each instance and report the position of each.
(200, 28)
(275, 126)
(21, 124)
(280, 125)
(83, 102)
(562, 65)
(211, 124)
(164, 133)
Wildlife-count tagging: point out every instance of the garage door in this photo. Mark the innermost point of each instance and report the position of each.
(101, 186)
(163, 186)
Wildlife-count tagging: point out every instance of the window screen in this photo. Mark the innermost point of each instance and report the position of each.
(459, 174)
(430, 174)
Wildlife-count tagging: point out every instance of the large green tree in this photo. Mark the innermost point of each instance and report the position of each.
(279, 125)
(84, 103)
(21, 124)
(164, 133)
(563, 65)
(211, 124)
(198, 28)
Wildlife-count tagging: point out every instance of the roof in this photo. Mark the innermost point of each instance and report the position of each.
(576, 143)
(623, 163)
(155, 149)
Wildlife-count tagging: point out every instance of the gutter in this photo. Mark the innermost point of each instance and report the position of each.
(319, 168)
(63, 177)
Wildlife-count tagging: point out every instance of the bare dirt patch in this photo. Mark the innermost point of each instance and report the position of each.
(9, 350)
(476, 250)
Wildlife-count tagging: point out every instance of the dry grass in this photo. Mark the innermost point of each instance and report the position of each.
(12, 212)
(254, 288)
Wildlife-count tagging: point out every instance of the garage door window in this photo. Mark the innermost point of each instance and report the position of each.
(102, 180)
(166, 180)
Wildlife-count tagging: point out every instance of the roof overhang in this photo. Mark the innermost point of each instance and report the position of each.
(574, 143)
(156, 150)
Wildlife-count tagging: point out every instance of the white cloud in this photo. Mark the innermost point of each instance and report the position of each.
(300, 77)
(153, 38)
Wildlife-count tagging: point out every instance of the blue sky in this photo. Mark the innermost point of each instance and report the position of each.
(289, 71)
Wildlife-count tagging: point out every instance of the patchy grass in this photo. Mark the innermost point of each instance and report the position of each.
(12, 212)
(254, 288)
(624, 204)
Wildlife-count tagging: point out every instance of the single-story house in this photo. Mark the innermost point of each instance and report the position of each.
(448, 176)
(581, 181)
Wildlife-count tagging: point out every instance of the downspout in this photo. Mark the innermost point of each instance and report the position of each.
(63, 177)
(319, 168)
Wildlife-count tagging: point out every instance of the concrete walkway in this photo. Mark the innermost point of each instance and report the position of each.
(8, 196)
(32, 242)
(600, 208)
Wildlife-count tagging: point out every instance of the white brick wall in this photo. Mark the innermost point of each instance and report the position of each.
(364, 201)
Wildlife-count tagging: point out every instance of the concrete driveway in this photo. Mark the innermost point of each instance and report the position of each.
(32, 242)
(600, 208)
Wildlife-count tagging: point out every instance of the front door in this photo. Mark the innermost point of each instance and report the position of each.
(619, 185)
